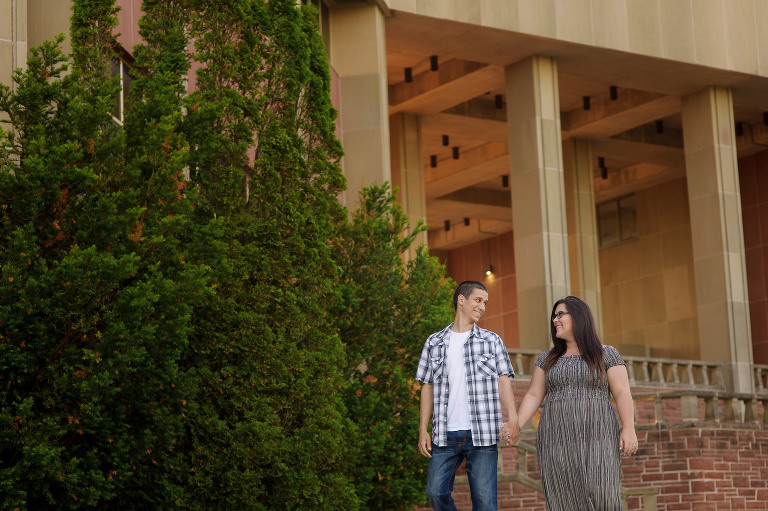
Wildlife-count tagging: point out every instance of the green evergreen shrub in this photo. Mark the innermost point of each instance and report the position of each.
(92, 320)
(188, 318)
(389, 308)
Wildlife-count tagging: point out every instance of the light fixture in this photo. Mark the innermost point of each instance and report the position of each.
(489, 268)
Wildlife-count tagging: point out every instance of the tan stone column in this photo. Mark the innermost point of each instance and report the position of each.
(582, 225)
(46, 18)
(408, 170)
(358, 54)
(538, 197)
(717, 233)
(13, 39)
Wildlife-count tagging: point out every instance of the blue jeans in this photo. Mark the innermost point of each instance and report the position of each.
(481, 472)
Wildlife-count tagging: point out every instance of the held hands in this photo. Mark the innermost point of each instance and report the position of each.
(628, 442)
(510, 432)
(425, 444)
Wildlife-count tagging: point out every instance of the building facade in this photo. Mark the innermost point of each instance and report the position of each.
(608, 149)
(612, 149)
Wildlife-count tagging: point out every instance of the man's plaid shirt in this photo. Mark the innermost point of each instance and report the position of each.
(485, 359)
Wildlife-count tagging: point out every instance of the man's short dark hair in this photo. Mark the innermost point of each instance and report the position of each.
(465, 289)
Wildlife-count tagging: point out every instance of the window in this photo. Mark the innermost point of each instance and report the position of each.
(617, 221)
(121, 70)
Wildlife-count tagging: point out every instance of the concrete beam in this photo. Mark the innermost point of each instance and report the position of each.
(460, 234)
(473, 167)
(630, 179)
(606, 118)
(480, 108)
(754, 139)
(441, 210)
(453, 83)
(462, 126)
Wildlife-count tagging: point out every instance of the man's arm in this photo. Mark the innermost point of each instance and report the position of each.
(425, 415)
(510, 430)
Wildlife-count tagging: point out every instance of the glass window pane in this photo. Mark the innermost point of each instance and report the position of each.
(115, 71)
(608, 223)
(628, 218)
(127, 79)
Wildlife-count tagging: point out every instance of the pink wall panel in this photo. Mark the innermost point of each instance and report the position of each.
(753, 182)
(470, 263)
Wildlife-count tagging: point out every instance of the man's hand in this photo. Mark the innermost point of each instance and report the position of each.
(425, 444)
(510, 432)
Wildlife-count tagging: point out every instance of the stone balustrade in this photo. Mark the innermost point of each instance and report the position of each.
(674, 373)
(709, 408)
(761, 378)
(656, 372)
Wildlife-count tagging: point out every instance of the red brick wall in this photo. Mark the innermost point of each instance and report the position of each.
(702, 469)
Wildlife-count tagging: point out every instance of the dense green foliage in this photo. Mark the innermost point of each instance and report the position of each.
(188, 317)
(389, 308)
(91, 319)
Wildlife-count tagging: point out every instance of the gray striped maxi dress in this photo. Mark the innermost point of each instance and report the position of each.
(578, 437)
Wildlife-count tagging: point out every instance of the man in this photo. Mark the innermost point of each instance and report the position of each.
(465, 371)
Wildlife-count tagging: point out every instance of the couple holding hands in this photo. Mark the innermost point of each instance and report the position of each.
(467, 392)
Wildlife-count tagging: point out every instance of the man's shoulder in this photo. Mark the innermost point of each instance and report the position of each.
(439, 336)
(485, 334)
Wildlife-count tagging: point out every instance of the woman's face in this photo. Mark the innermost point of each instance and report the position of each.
(563, 323)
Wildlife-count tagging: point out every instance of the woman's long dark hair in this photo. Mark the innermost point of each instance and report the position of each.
(584, 332)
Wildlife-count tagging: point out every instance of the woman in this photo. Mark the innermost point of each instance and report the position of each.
(578, 440)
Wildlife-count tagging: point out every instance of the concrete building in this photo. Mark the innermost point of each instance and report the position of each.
(609, 149)
(612, 149)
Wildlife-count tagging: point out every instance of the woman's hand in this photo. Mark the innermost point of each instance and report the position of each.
(510, 432)
(628, 441)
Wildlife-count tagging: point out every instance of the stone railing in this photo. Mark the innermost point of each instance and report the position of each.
(656, 372)
(523, 362)
(761, 378)
(709, 408)
(674, 373)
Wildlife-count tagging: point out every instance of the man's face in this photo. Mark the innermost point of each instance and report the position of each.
(474, 306)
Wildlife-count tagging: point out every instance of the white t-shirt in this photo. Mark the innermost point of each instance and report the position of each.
(458, 397)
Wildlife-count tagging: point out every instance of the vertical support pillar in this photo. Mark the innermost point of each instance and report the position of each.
(13, 39)
(408, 170)
(45, 19)
(358, 55)
(717, 234)
(538, 197)
(582, 225)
